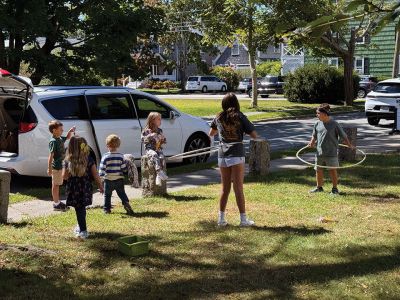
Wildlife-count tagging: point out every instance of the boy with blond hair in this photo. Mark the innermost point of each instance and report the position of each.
(55, 160)
(112, 169)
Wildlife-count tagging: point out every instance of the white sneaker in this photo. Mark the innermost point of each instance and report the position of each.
(222, 223)
(77, 231)
(162, 175)
(247, 223)
(84, 234)
(158, 181)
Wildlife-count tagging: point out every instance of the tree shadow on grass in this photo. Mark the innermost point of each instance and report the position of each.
(21, 224)
(184, 198)
(146, 214)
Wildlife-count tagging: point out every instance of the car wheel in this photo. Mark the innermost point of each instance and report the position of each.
(223, 89)
(361, 93)
(250, 92)
(195, 142)
(204, 89)
(373, 121)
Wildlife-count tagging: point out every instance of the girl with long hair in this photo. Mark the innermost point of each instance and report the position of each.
(153, 139)
(231, 125)
(79, 170)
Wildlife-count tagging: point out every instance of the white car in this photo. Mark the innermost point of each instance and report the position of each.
(382, 101)
(205, 84)
(96, 112)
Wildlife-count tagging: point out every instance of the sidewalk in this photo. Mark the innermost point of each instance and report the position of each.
(39, 208)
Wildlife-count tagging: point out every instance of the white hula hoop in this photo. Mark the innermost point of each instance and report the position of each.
(326, 167)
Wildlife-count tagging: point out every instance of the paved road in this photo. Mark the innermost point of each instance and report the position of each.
(289, 134)
(219, 96)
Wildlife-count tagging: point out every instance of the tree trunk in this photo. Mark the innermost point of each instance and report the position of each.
(348, 61)
(252, 57)
(395, 70)
(3, 61)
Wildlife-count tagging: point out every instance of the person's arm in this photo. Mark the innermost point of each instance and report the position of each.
(212, 132)
(71, 131)
(344, 136)
(65, 173)
(96, 177)
(253, 134)
(49, 162)
(311, 143)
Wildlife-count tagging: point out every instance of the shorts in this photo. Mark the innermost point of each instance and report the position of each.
(227, 162)
(56, 177)
(329, 161)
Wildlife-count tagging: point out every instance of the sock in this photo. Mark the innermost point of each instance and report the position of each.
(56, 203)
(243, 217)
(221, 216)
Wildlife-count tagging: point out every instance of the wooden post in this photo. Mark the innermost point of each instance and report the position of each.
(5, 178)
(149, 187)
(347, 154)
(259, 157)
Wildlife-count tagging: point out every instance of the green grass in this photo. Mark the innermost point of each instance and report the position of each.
(267, 109)
(290, 254)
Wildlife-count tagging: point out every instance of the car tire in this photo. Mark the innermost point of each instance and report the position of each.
(194, 142)
(223, 89)
(204, 89)
(361, 93)
(249, 93)
(373, 121)
(264, 96)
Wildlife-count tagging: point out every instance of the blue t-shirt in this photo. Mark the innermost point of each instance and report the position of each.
(230, 133)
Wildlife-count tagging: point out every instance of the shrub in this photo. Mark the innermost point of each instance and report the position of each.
(269, 68)
(227, 74)
(317, 83)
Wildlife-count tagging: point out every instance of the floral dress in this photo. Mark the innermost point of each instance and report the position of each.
(79, 190)
(153, 142)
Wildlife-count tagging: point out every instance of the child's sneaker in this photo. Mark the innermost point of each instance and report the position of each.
(247, 223)
(158, 181)
(128, 209)
(107, 210)
(77, 231)
(162, 175)
(83, 235)
(60, 206)
(317, 189)
(335, 191)
(222, 223)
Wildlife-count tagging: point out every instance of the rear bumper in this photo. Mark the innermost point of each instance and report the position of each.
(380, 115)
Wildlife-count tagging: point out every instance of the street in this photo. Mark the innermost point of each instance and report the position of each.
(219, 96)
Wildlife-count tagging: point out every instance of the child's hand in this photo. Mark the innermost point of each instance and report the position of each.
(49, 172)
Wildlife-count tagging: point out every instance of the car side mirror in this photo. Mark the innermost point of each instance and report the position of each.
(173, 115)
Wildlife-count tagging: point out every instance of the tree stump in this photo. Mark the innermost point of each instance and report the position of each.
(5, 178)
(347, 154)
(259, 157)
(149, 187)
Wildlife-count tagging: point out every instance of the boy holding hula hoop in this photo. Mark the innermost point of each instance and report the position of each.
(325, 136)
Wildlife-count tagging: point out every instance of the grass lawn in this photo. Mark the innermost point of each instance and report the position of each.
(267, 108)
(290, 254)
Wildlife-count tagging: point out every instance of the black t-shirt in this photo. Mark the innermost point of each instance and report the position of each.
(232, 133)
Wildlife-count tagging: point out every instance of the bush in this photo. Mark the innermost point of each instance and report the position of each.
(269, 68)
(317, 83)
(158, 84)
(227, 74)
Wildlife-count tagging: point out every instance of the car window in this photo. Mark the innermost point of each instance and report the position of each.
(110, 107)
(387, 88)
(145, 105)
(192, 79)
(66, 108)
(271, 79)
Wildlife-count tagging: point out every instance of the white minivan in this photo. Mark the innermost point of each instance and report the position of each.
(205, 84)
(96, 111)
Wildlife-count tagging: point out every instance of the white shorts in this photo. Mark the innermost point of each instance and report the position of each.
(227, 162)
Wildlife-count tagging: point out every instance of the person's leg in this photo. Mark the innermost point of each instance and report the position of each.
(55, 192)
(320, 177)
(237, 180)
(108, 189)
(226, 187)
(334, 177)
(120, 189)
(81, 217)
(154, 159)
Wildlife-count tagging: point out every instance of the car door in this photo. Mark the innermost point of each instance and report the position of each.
(171, 126)
(112, 112)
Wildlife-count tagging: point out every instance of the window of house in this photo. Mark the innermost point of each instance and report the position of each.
(66, 108)
(359, 65)
(235, 49)
(333, 61)
(277, 49)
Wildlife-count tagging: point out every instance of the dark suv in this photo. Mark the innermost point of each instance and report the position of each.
(268, 85)
(367, 84)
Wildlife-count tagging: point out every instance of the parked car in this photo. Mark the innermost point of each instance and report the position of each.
(367, 84)
(96, 111)
(205, 84)
(268, 85)
(382, 101)
(246, 83)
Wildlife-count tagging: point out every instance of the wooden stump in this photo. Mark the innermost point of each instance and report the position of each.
(347, 154)
(149, 179)
(5, 178)
(259, 157)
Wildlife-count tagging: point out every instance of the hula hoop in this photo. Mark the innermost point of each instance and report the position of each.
(326, 167)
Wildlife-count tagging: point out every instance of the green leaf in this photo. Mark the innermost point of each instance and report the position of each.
(355, 4)
(321, 20)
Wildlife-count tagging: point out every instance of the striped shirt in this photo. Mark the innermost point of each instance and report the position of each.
(112, 166)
